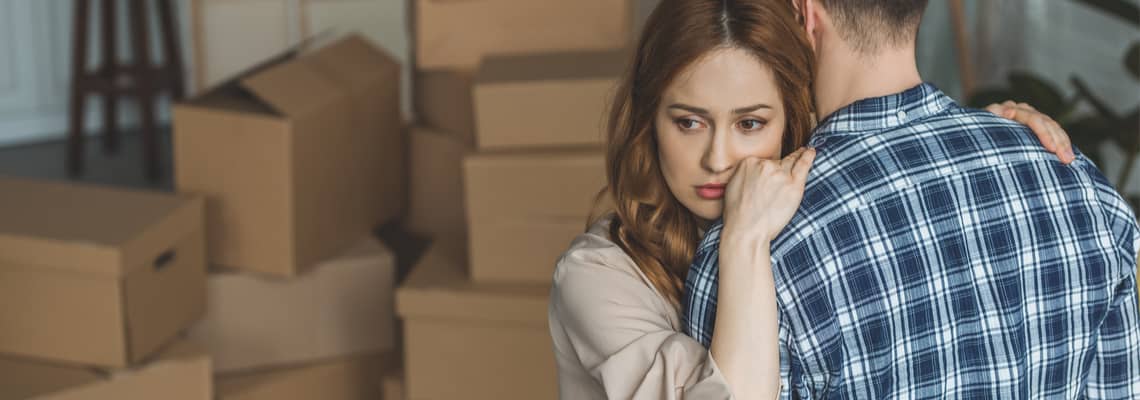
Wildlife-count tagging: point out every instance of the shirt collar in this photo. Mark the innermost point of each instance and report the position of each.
(880, 114)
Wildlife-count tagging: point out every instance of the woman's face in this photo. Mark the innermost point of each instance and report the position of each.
(723, 108)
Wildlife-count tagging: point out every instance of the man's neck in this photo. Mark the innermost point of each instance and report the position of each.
(845, 77)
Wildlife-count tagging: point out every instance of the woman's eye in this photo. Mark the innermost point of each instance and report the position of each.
(688, 123)
(751, 124)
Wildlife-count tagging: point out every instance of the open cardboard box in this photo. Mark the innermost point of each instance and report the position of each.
(296, 158)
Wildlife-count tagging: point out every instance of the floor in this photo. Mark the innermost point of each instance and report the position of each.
(125, 169)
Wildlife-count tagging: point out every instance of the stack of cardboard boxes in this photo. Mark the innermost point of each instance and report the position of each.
(505, 165)
(298, 160)
(260, 280)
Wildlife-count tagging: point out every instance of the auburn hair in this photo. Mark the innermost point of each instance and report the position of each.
(648, 222)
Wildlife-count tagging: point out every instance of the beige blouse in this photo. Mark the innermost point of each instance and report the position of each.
(615, 336)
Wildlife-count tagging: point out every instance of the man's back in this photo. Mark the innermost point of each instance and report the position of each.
(941, 252)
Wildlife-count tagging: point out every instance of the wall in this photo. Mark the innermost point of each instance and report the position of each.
(35, 70)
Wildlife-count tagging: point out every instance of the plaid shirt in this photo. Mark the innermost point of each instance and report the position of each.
(941, 252)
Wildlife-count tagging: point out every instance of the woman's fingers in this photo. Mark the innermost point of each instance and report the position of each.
(1048, 131)
(790, 161)
(803, 166)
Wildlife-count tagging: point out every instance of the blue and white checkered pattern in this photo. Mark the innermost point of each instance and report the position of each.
(941, 252)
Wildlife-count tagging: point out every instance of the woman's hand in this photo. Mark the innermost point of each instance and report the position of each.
(763, 195)
(1048, 131)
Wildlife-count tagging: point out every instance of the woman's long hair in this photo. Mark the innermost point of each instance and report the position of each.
(657, 232)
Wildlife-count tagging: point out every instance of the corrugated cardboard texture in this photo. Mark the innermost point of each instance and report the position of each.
(181, 372)
(392, 386)
(453, 33)
(354, 378)
(545, 100)
(523, 251)
(344, 306)
(25, 378)
(524, 208)
(444, 101)
(473, 341)
(62, 308)
(293, 185)
(524, 184)
(436, 201)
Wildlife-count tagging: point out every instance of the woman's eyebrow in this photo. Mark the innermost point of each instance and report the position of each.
(751, 108)
(686, 107)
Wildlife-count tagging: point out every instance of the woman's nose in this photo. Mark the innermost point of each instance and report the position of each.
(716, 158)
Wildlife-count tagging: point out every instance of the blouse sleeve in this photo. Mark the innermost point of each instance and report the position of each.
(613, 323)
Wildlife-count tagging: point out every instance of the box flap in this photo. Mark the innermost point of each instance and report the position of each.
(552, 66)
(79, 227)
(293, 88)
(438, 288)
(23, 378)
(354, 60)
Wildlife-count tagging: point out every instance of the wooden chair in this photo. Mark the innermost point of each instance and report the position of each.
(141, 79)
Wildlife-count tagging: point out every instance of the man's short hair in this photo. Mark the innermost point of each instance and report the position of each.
(869, 25)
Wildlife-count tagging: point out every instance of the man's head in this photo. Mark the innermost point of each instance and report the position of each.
(863, 48)
(866, 26)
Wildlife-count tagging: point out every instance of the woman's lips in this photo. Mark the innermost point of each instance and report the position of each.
(711, 191)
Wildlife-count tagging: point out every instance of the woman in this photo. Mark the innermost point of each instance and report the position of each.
(718, 92)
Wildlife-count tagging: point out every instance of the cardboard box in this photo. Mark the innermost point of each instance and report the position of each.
(342, 307)
(524, 209)
(444, 101)
(97, 276)
(181, 372)
(545, 100)
(469, 341)
(436, 184)
(457, 34)
(355, 378)
(296, 158)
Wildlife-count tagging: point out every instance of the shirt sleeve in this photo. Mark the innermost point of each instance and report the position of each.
(612, 323)
(1115, 369)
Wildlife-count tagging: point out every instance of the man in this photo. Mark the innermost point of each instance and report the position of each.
(938, 251)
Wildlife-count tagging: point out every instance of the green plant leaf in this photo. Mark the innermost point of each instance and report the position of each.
(1132, 60)
(1125, 10)
(1038, 93)
(985, 97)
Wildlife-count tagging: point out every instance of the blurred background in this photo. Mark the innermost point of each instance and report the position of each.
(351, 199)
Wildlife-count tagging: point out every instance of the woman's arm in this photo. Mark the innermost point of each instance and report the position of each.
(613, 337)
(760, 200)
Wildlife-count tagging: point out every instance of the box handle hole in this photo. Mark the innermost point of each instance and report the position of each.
(164, 260)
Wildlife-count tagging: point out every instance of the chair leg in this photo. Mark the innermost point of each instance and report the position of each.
(172, 50)
(110, 73)
(145, 86)
(78, 89)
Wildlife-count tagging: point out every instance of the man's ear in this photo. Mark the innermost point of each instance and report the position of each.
(809, 15)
